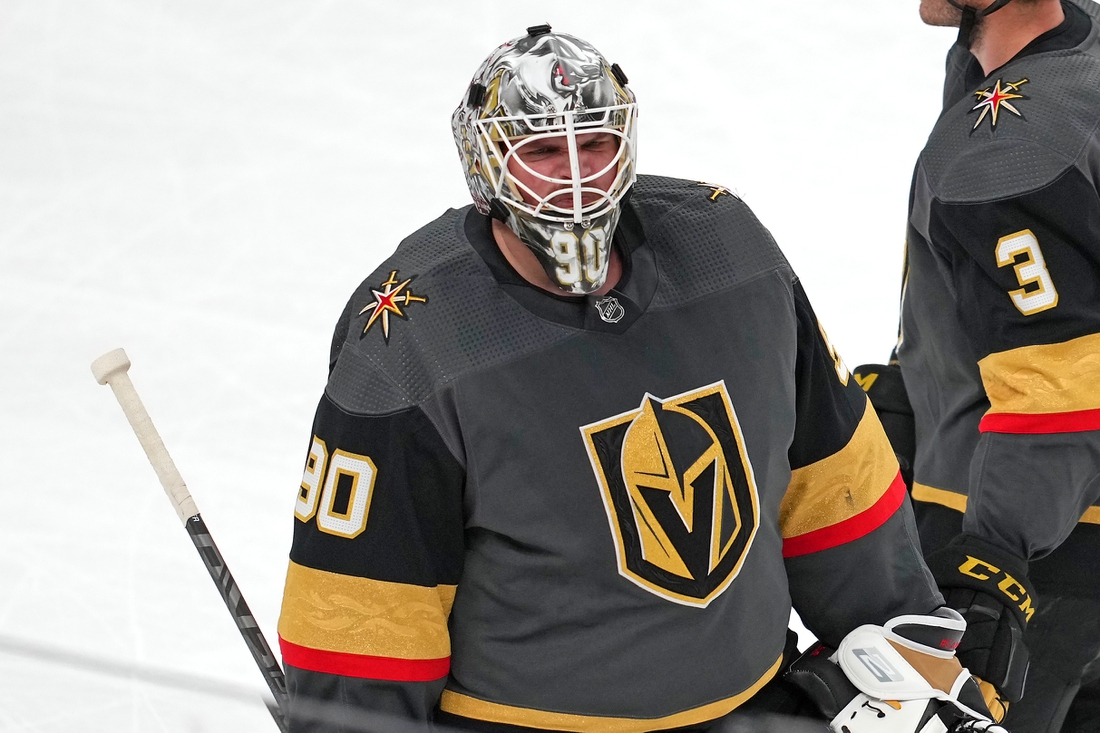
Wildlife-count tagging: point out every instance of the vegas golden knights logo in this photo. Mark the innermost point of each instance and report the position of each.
(679, 493)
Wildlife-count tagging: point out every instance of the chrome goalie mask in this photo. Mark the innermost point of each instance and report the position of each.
(545, 89)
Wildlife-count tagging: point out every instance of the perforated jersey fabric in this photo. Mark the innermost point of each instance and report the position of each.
(964, 164)
(707, 249)
(692, 256)
(468, 326)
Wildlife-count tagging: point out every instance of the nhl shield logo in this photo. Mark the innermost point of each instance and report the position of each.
(679, 492)
(610, 309)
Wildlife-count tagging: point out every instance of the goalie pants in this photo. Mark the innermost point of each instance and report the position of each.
(1062, 694)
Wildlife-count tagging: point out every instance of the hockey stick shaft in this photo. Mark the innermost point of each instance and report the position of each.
(111, 369)
(242, 615)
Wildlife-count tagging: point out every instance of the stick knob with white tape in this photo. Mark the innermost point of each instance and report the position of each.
(111, 369)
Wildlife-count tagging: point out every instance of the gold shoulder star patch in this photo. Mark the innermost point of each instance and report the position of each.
(390, 297)
(717, 190)
(992, 100)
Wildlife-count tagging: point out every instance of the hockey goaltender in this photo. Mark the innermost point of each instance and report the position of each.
(583, 445)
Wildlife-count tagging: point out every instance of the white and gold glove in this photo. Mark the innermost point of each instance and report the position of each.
(901, 677)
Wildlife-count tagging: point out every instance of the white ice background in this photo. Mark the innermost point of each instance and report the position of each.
(204, 183)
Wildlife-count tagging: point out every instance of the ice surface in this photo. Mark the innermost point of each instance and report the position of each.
(204, 183)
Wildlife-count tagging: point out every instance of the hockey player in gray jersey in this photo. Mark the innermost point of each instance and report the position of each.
(998, 350)
(583, 445)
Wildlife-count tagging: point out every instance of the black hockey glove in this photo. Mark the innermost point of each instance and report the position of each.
(990, 588)
(886, 390)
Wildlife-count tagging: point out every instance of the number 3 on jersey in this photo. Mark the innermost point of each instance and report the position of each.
(1029, 271)
(345, 498)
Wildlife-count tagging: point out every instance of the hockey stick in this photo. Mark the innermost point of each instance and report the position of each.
(111, 369)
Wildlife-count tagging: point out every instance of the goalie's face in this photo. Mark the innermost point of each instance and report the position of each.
(541, 169)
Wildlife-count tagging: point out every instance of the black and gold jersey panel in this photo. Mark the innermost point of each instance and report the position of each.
(355, 486)
(1001, 308)
(844, 516)
(826, 391)
(844, 475)
(1027, 268)
(1027, 291)
(377, 551)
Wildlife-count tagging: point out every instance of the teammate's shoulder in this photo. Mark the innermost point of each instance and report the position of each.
(1089, 6)
(1023, 127)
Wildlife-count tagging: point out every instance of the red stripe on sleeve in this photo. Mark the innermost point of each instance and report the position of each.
(362, 665)
(1053, 422)
(850, 529)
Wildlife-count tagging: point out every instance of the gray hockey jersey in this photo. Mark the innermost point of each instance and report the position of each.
(588, 513)
(1000, 337)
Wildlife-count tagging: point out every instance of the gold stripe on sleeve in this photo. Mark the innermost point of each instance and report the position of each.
(1050, 378)
(471, 707)
(949, 499)
(842, 485)
(957, 502)
(342, 613)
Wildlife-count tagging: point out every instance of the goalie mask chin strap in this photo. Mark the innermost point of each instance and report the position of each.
(970, 16)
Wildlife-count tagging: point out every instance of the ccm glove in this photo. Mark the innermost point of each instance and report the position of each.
(898, 678)
(886, 390)
(991, 590)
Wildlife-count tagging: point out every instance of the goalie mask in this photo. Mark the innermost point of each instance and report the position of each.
(550, 91)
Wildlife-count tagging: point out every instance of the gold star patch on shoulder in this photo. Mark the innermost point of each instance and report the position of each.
(390, 297)
(992, 100)
(716, 190)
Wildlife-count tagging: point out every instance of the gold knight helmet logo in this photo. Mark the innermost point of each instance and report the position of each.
(679, 493)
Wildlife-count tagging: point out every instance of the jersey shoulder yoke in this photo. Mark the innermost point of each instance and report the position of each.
(1027, 123)
(705, 238)
(429, 313)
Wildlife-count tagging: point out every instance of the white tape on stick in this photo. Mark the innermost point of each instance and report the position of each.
(111, 368)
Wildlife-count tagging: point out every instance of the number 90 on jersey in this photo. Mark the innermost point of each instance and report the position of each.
(337, 489)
